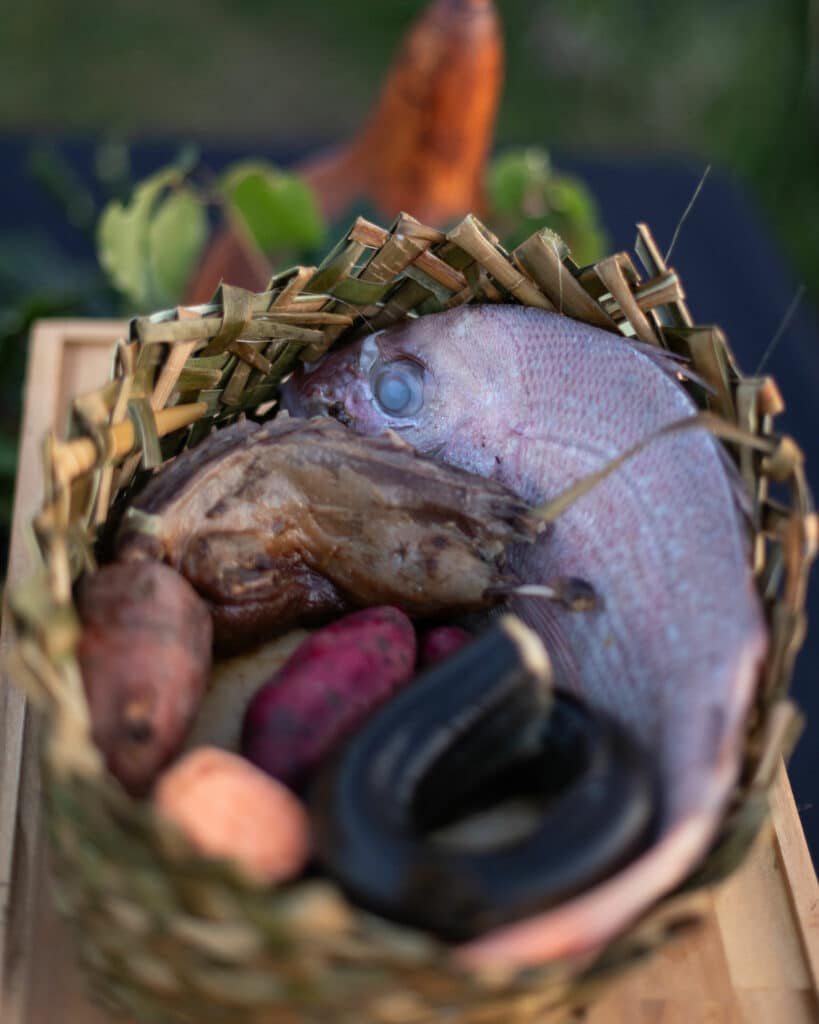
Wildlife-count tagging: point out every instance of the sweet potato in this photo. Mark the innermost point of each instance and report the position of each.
(227, 808)
(233, 684)
(439, 643)
(325, 689)
(145, 655)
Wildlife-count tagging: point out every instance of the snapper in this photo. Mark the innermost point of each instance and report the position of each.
(673, 646)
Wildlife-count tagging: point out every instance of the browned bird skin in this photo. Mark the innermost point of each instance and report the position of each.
(537, 401)
(290, 522)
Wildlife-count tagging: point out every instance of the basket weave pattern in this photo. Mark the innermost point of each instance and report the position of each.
(170, 937)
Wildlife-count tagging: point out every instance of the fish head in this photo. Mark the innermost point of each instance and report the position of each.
(408, 379)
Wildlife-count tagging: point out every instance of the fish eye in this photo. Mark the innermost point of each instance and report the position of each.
(398, 388)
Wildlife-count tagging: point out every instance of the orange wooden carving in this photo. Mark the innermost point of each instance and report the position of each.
(230, 257)
(423, 148)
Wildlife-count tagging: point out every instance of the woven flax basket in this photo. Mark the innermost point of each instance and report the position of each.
(168, 936)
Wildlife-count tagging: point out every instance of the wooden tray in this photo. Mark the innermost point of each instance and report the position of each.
(755, 961)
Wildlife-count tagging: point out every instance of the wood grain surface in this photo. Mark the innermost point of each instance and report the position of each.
(755, 960)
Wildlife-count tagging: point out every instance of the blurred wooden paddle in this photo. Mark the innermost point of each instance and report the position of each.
(422, 149)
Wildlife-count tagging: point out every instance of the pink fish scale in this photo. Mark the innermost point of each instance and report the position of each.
(537, 401)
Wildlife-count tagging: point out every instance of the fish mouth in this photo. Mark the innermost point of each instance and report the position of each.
(313, 403)
(319, 391)
(302, 399)
(338, 411)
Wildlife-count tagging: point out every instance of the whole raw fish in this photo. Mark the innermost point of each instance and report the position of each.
(537, 401)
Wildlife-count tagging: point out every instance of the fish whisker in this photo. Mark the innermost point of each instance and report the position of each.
(714, 424)
(686, 212)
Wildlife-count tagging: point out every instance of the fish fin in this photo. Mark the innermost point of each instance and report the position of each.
(743, 500)
(397, 440)
(672, 363)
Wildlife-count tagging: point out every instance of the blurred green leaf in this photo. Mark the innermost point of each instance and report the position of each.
(513, 176)
(123, 237)
(148, 246)
(176, 236)
(525, 194)
(278, 209)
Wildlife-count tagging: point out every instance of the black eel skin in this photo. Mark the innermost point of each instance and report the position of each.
(471, 732)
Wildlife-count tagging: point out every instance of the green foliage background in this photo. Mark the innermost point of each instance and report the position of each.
(736, 82)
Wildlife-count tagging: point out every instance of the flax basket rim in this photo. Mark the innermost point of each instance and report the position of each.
(169, 936)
